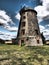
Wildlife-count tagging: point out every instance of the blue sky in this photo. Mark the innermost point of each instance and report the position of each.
(9, 16)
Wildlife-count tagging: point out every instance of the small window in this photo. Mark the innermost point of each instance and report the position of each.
(23, 24)
(24, 17)
(38, 41)
(36, 32)
(22, 41)
(23, 32)
(27, 39)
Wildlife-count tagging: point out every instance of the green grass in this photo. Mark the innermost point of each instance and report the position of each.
(15, 55)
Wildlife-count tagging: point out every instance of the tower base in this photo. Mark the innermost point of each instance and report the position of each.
(30, 41)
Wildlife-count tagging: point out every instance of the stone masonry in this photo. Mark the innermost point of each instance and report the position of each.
(28, 32)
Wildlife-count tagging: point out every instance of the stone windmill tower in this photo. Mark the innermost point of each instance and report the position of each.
(28, 32)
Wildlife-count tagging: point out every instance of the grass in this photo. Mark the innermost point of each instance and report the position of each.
(15, 55)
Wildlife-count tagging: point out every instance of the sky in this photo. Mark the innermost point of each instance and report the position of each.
(10, 17)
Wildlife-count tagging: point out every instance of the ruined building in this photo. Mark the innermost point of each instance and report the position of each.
(28, 32)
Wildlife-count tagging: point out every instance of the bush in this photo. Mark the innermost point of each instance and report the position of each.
(22, 44)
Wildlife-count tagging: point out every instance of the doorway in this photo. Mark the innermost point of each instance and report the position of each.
(22, 42)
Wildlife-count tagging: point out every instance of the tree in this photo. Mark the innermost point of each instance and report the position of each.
(43, 38)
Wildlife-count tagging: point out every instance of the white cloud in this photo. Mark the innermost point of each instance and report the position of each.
(43, 10)
(45, 2)
(41, 28)
(17, 16)
(47, 25)
(45, 31)
(11, 28)
(4, 19)
(7, 36)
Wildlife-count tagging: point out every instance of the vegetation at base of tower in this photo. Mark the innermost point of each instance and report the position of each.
(43, 38)
(22, 44)
(16, 55)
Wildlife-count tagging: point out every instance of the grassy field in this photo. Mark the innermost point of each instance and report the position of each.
(15, 55)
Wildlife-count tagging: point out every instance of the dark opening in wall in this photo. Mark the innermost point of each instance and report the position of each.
(38, 41)
(23, 24)
(22, 41)
(24, 17)
(23, 31)
(36, 31)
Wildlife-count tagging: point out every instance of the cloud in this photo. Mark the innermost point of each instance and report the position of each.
(5, 19)
(47, 25)
(4, 22)
(17, 16)
(45, 31)
(41, 28)
(43, 10)
(45, 2)
(7, 36)
(46, 34)
(11, 28)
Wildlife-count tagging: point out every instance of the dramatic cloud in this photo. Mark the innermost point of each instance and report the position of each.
(45, 31)
(41, 28)
(4, 22)
(43, 10)
(45, 2)
(11, 28)
(5, 19)
(47, 25)
(7, 36)
(17, 16)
